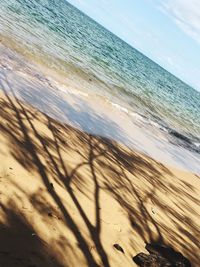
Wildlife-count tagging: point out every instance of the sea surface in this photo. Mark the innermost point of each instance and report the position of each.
(59, 36)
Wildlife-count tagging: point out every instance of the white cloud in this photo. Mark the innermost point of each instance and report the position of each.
(186, 14)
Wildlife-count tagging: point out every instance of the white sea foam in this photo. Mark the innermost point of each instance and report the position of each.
(117, 106)
(73, 91)
(137, 116)
(157, 125)
(131, 113)
(66, 89)
(197, 144)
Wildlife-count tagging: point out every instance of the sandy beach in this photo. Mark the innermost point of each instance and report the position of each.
(67, 196)
(99, 136)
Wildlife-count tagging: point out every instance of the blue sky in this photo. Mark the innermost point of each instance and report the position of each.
(167, 31)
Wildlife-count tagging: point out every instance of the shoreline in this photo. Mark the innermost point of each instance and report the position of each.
(67, 196)
(66, 101)
(99, 146)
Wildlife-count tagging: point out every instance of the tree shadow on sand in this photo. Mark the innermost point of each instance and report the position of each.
(111, 168)
(20, 245)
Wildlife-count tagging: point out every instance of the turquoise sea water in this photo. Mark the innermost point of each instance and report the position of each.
(65, 37)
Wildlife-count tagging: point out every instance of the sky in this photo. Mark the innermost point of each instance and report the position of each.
(167, 31)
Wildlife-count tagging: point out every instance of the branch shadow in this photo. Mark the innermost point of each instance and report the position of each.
(21, 246)
(132, 180)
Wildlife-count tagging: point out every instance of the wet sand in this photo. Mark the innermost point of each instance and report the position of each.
(68, 100)
(67, 196)
(73, 184)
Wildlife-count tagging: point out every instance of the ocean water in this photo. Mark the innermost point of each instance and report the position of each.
(64, 38)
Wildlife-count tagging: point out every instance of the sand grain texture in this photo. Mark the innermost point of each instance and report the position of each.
(67, 197)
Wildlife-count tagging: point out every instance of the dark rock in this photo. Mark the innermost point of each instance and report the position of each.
(180, 136)
(152, 260)
(51, 184)
(161, 256)
(118, 247)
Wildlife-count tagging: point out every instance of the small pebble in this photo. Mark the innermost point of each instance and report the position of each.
(152, 210)
(118, 247)
(51, 184)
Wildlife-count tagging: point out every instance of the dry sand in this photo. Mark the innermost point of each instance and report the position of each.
(66, 196)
